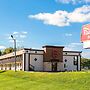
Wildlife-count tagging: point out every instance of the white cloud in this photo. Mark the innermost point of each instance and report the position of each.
(9, 37)
(15, 32)
(2, 47)
(22, 36)
(64, 1)
(87, 1)
(73, 1)
(76, 44)
(80, 14)
(19, 36)
(59, 18)
(68, 34)
(73, 47)
(24, 32)
(16, 35)
(68, 48)
(63, 18)
(78, 47)
(17, 41)
(86, 54)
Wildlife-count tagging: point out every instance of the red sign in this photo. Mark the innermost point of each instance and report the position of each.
(85, 34)
(55, 53)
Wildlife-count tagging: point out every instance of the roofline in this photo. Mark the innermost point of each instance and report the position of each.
(73, 51)
(33, 49)
(52, 46)
(20, 52)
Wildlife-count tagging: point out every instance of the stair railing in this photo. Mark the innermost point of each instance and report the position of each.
(32, 67)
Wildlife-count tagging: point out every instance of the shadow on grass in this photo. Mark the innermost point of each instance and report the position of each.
(2, 71)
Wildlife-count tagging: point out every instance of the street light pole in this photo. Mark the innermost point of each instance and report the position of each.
(14, 49)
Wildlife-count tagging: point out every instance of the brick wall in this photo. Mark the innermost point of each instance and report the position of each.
(53, 54)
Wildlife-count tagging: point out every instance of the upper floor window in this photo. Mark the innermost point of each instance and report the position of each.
(35, 51)
(27, 51)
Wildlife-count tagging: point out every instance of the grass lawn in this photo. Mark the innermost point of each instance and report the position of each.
(10, 80)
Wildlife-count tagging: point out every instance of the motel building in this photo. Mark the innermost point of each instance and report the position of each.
(50, 58)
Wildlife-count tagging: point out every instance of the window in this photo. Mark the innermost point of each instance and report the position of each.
(26, 51)
(75, 57)
(65, 69)
(35, 51)
(64, 65)
(35, 59)
(65, 60)
(75, 60)
(20, 64)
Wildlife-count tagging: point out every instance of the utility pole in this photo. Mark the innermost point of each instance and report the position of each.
(14, 49)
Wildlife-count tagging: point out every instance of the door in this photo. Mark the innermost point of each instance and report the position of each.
(54, 66)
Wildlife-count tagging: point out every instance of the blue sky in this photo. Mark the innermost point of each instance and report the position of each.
(35, 23)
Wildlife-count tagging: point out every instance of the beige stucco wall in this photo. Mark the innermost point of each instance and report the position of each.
(60, 66)
(48, 66)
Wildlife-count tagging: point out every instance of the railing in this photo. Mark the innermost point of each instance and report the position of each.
(31, 67)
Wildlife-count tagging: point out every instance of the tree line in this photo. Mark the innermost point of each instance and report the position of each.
(6, 51)
(85, 63)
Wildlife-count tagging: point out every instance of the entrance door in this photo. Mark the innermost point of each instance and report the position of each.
(54, 66)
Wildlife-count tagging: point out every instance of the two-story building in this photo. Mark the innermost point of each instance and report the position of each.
(50, 58)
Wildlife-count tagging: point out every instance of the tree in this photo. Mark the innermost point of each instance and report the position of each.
(0, 52)
(8, 50)
(85, 62)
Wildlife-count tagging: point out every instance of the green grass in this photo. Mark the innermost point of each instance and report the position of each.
(10, 80)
